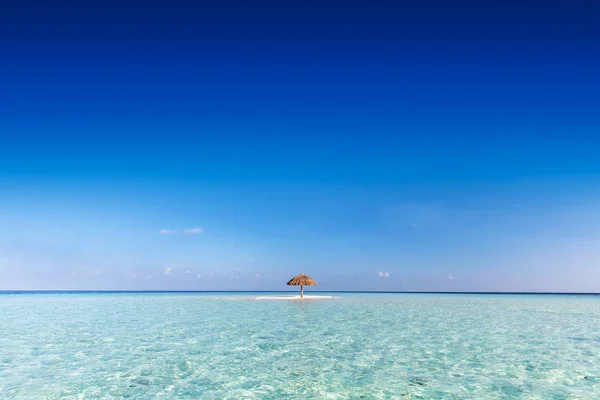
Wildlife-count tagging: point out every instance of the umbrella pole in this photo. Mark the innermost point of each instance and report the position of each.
(301, 291)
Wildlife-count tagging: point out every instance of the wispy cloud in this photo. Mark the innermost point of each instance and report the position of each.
(450, 277)
(140, 275)
(198, 276)
(86, 272)
(187, 272)
(252, 260)
(384, 274)
(189, 231)
(413, 215)
(257, 275)
(193, 231)
(168, 271)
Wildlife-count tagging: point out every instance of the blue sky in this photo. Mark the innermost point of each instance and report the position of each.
(378, 146)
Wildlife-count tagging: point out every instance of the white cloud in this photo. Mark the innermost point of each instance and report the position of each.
(193, 231)
(198, 276)
(168, 271)
(414, 225)
(187, 271)
(450, 277)
(257, 275)
(136, 275)
(384, 274)
(252, 260)
(189, 231)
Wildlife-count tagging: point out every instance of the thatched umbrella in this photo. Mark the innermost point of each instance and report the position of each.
(301, 280)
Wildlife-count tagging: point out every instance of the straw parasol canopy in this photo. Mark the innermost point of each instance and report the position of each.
(302, 280)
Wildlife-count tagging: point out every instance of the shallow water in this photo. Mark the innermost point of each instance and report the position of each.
(357, 346)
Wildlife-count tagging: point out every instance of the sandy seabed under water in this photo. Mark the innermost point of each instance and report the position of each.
(230, 346)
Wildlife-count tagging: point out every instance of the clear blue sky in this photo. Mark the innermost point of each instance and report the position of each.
(228, 145)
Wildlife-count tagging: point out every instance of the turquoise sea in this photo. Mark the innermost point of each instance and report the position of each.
(356, 346)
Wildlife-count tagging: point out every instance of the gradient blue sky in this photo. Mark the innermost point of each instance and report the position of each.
(378, 145)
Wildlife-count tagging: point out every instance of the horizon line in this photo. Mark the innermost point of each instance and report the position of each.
(66, 291)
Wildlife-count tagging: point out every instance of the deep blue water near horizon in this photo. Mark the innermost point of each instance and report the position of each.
(231, 345)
